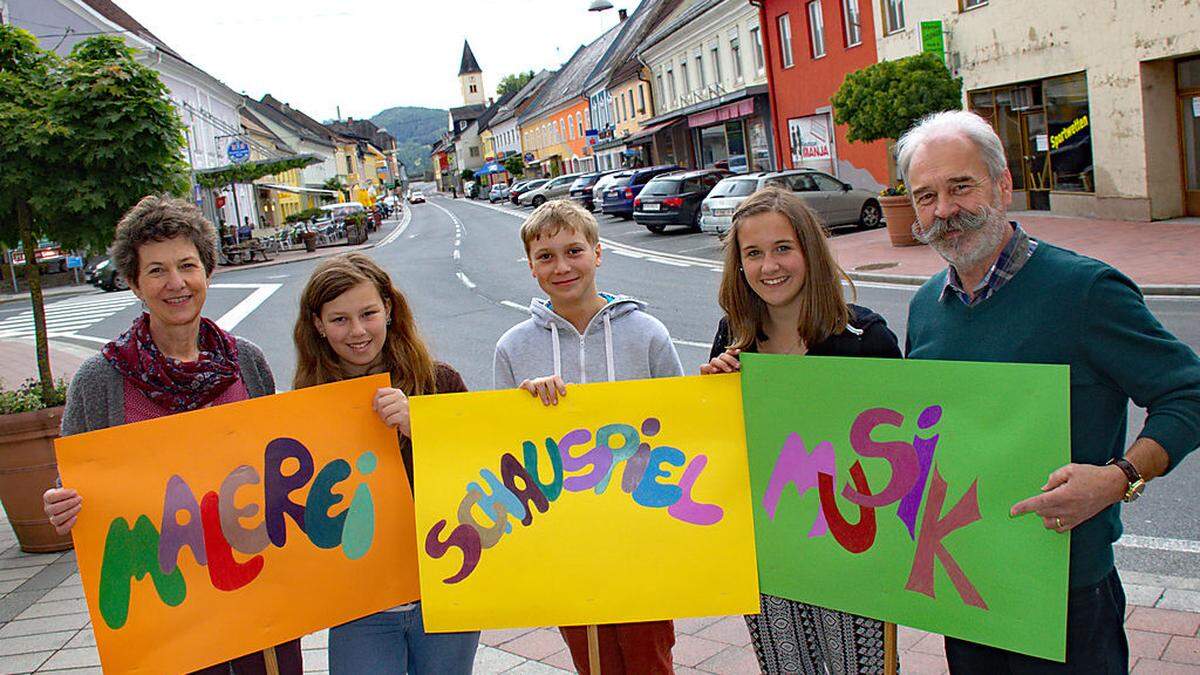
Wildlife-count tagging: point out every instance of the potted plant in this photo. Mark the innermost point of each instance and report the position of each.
(310, 240)
(881, 102)
(82, 139)
(898, 214)
(29, 423)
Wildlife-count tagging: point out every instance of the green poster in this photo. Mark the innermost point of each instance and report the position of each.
(932, 39)
(882, 488)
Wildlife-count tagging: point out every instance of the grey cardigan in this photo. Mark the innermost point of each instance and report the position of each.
(96, 397)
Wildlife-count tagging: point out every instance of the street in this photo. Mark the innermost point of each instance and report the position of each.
(461, 264)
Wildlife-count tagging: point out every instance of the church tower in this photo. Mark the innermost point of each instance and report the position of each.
(470, 77)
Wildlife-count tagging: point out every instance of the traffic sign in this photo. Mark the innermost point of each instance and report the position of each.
(74, 262)
(238, 151)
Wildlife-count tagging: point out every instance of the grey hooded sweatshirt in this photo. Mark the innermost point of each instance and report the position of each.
(621, 342)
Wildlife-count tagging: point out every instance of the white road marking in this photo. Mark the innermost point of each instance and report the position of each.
(233, 317)
(395, 234)
(67, 316)
(512, 305)
(689, 343)
(1159, 543)
(664, 261)
(627, 254)
(456, 254)
(465, 280)
(279, 276)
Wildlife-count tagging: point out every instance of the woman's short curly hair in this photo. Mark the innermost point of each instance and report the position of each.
(159, 218)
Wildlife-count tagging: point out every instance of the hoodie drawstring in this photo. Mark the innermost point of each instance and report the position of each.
(557, 349)
(608, 348)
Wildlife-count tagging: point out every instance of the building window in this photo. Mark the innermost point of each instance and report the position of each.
(716, 61)
(816, 28)
(683, 74)
(964, 5)
(474, 150)
(571, 126)
(735, 54)
(641, 99)
(893, 15)
(850, 17)
(785, 41)
(757, 45)
(579, 123)
(630, 94)
(473, 89)
(662, 93)
(702, 81)
(671, 85)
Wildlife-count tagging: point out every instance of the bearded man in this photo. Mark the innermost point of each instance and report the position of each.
(1007, 297)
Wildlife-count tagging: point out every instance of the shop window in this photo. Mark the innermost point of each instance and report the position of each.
(785, 41)
(850, 17)
(1070, 133)
(816, 29)
(982, 103)
(964, 5)
(1007, 123)
(735, 142)
(1188, 74)
(712, 146)
(893, 16)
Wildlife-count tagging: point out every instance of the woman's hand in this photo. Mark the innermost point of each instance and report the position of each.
(724, 363)
(392, 407)
(62, 505)
(548, 388)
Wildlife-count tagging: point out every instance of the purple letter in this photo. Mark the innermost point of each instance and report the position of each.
(911, 503)
(688, 510)
(178, 498)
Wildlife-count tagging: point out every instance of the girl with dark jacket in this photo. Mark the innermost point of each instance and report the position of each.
(782, 294)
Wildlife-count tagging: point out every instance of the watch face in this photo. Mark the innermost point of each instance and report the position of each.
(1135, 490)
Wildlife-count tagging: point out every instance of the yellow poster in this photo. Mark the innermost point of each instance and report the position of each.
(628, 501)
(211, 534)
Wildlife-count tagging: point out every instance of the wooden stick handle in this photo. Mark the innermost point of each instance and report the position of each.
(593, 637)
(891, 660)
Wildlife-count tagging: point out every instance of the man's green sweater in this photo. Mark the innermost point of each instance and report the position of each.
(1065, 308)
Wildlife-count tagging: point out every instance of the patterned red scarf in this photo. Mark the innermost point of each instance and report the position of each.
(170, 383)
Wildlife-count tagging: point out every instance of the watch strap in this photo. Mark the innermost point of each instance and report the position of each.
(1128, 468)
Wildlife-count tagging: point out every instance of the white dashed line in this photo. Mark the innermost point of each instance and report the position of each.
(1159, 543)
(466, 281)
(456, 254)
(512, 305)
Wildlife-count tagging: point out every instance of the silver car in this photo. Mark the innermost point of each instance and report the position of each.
(835, 202)
(606, 181)
(553, 189)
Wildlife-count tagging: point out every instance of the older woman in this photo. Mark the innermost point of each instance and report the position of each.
(170, 360)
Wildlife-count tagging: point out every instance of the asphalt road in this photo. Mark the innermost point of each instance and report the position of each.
(462, 267)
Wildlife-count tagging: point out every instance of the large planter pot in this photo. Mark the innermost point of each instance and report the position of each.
(899, 214)
(27, 469)
(310, 241)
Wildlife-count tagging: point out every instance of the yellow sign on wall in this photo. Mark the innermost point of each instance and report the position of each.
(211, 534)
(628, 501)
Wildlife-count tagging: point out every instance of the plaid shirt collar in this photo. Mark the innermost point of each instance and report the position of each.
(1014, 256)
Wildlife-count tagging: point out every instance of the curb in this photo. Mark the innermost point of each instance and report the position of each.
(73, 291)
(1151, 290)
(322, 253)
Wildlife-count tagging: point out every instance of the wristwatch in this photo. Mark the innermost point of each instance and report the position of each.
(1136, 484)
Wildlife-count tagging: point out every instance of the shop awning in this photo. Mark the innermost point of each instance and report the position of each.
(296, 189)
(645, 135)
(490, 168)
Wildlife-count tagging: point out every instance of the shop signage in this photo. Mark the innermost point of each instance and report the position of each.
(238, 151)
(811, 142)
(592, 136)
(1071, 129)
(932, 38)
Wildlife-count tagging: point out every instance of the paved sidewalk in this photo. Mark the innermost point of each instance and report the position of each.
(45, 628)
(1160, 256)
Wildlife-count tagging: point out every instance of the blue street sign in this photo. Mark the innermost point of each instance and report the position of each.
(528, 157)
(74, 262)
(238, 151)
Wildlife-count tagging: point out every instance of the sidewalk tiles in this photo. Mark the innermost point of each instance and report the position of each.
(45, 628)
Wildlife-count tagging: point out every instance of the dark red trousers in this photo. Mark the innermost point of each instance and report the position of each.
(287, 656)
(625, 648)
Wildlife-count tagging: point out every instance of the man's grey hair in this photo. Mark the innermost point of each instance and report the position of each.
(953, 123)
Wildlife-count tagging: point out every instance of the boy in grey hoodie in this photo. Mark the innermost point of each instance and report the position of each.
(579, 336)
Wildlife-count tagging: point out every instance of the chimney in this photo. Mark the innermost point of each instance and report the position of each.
(490, 101)
(623, 14)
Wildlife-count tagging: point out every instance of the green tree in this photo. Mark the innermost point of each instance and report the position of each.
(513, 83)
(335, 183)
(82, 139)
(467, 174)
(885, 99)
(515, 166)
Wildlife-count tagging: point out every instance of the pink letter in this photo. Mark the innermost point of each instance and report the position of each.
(899, 454)
(796, 466)
(687, 510)
(934, 528)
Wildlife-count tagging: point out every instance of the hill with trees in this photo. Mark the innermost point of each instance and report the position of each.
(415, 130)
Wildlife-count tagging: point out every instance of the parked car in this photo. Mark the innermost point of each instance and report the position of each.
(551, 189)
(517, 190)
(618, 199)
(675, 198)
(498, 193)
(416, 197)
(605, 183)
(107, 277)
(582, 189)
(48, 254)
(835, 202)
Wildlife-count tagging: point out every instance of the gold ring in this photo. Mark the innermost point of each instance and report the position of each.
(1058, 522)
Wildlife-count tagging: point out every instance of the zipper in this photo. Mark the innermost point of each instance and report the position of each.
(582, 359)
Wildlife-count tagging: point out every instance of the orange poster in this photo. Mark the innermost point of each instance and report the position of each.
(212, 534)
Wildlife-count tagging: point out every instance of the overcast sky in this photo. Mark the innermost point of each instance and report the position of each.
(367, 55)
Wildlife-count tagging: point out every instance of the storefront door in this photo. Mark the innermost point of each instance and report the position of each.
(1036, 151)
(1188, 86)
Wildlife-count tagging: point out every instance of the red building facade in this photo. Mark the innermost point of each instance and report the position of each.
(811, 45)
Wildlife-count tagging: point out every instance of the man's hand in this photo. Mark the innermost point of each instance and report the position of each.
(1073, 494)
(548, 388)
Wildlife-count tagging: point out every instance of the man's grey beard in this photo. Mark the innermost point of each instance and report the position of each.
(966, 222)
